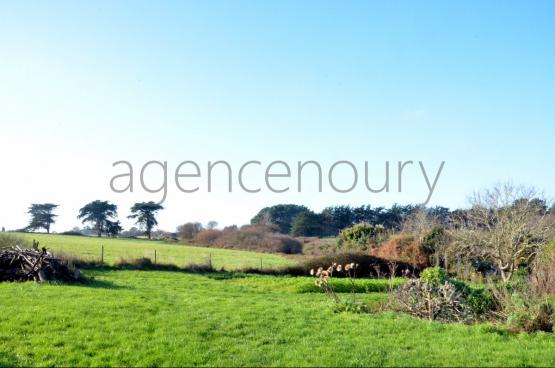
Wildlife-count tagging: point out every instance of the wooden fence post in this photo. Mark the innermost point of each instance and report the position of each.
(154, 256)
(102, 255)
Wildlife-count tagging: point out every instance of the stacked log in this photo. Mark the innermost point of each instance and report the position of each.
(21, 264)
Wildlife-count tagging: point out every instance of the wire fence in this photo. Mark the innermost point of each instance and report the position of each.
(109, 255)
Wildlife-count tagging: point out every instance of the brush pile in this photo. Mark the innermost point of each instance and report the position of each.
(21, 264)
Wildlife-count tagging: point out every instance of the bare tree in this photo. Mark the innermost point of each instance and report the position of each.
(418, 223)
(506, 225)
(429, 230)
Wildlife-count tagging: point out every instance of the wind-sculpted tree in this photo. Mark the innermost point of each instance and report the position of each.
(506, 225)
(112, 228)
(145, 214)
(42, 216)
(99, 213)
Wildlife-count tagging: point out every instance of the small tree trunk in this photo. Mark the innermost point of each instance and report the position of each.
(506, 275)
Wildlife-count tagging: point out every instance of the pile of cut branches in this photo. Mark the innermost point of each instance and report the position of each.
(21, 264)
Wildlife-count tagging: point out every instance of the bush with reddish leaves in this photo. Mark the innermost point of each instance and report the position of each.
(404, 248)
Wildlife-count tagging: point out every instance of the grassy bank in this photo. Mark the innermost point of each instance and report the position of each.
(181, 255)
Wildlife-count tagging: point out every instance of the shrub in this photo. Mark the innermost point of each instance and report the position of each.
(361, 236)
(189, 230)
(480, 301)
(521, 312)
(435, 302)
(519, 307)
(543, 272)
(434, 275)
(436, 296)
(403, 248)
(207, 237)
(261, 238)
(432, 243)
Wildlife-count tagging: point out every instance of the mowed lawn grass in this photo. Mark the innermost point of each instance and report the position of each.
(178, 254)
(157, 318)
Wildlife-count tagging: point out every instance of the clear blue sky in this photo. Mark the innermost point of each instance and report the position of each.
(84, 84)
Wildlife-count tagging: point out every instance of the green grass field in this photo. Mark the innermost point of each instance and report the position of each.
(180, 255)
(159, 318)
(164, 318)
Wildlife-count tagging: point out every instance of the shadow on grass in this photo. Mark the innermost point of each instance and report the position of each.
(89, 282)
(93, 283)
(8, 360)
(197, 269)
(497, 330)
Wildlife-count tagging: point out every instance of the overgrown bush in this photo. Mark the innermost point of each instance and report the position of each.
(435, 302)
(542, 273)
(530, 315)
(207, 237)
(520, 306)
(361, 236)
(405, 248)
(434, 275)
(188, 231)
(260, 238)
(436, 296)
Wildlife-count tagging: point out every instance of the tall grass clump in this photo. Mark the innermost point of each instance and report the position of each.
(8, 240)
(324, 281)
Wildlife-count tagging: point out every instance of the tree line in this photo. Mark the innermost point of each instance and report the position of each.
(298, 220)
(102, 215)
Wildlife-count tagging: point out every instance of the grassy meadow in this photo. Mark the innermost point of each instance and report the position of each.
(157, 318)
(170, 318)
(181, 255)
